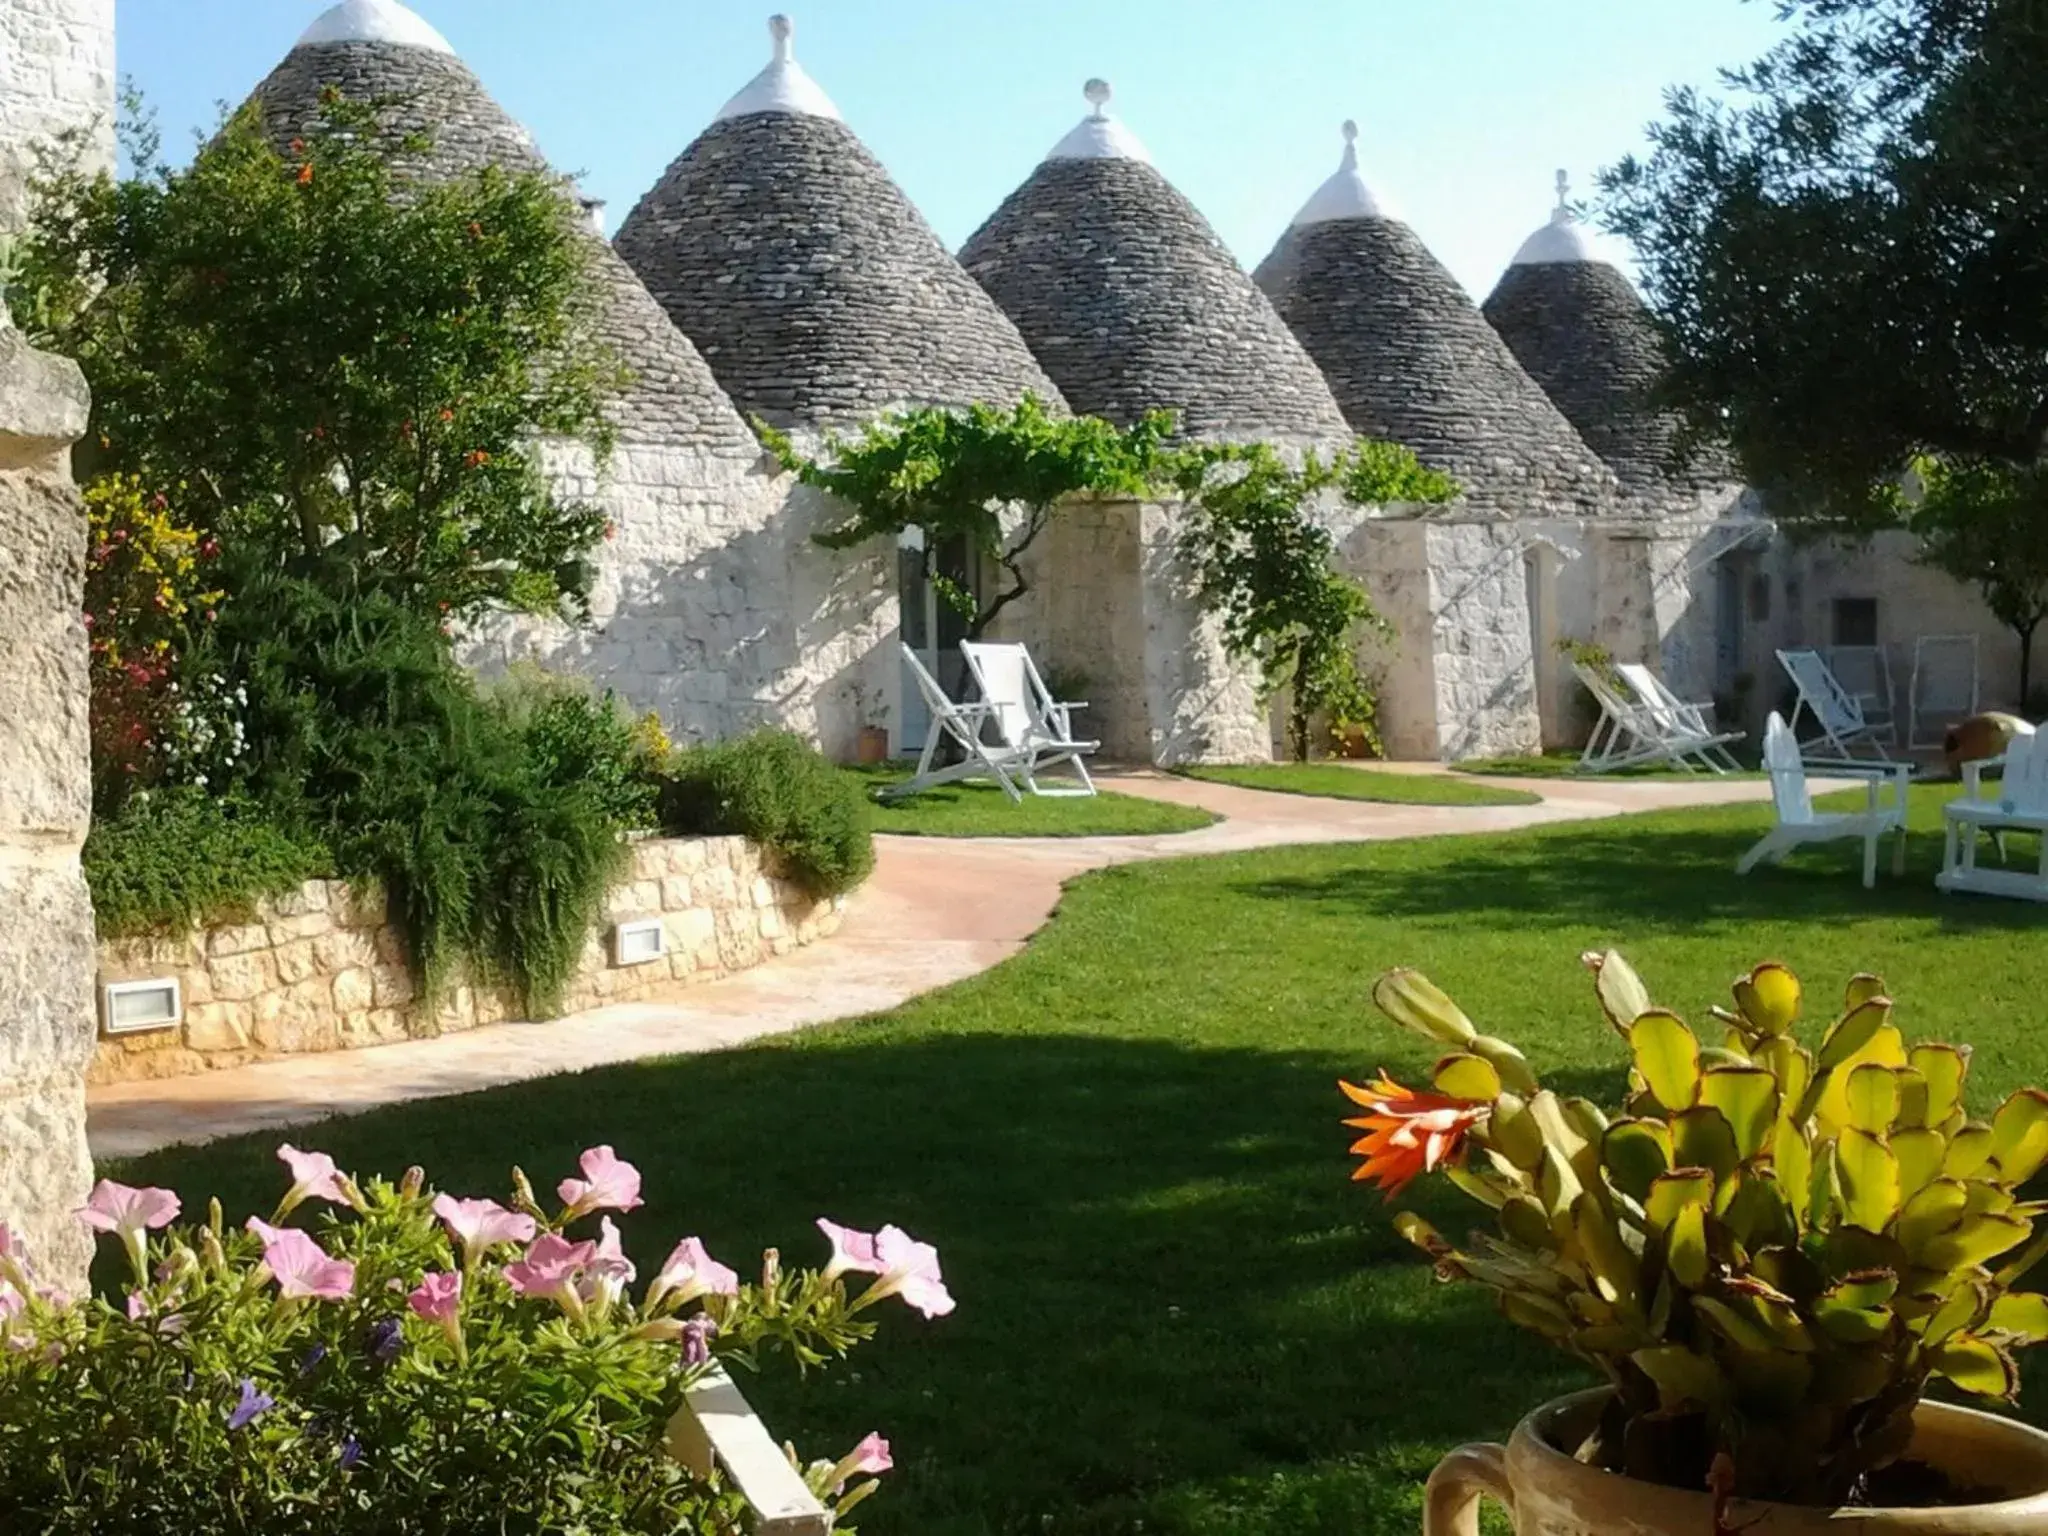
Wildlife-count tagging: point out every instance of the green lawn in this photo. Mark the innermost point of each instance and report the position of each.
(1334, 781)
(1559, 765)
(982, 810)
(1176, 1313)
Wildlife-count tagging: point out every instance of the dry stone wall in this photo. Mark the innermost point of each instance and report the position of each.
(321, 969)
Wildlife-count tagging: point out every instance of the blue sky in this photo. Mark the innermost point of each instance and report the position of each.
(1467, 107)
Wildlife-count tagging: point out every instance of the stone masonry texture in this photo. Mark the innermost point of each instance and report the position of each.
(1132, 304)
(56, 76)
(46, 924)
(321, 969)
(1581, 332)
(812, 285)
(1412, 361)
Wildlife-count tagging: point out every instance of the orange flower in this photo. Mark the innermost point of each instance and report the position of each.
(306, 175)
(476, 458)
(1408, 1133)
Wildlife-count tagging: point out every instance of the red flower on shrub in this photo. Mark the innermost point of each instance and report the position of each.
(476, 458)
(305, 175)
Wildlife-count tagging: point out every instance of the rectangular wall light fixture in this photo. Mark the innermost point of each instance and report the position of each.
(141, 1007)
(639, 943)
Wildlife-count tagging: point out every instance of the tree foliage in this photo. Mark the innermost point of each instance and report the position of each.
(1845, 249)
(332, 361)
(1987, 524)
(990, 476)
(1268, 569)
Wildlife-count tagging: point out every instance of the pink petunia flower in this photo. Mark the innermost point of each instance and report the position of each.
(610, 1271)
(551, 1269)
(852, 1252)
(689, 1274)
(910, 1270)
(314, 1177)
(480, 1225)
(867, 1459)
(607, 1185)
(12, 1302)
(303, 1270)
(14, 1265)
(437, 1298)
(131, 1215)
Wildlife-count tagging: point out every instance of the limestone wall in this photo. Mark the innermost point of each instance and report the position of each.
(56, 74)
(46, 920)
(321, 969)
(714, 606)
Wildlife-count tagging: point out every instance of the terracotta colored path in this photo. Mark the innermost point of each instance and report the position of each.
(937, 911)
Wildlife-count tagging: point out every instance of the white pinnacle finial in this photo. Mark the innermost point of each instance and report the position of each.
(1350, 146)
(783, 86)
(1564, 241)
(783, 30)
(1563, 212)
(1098, 94)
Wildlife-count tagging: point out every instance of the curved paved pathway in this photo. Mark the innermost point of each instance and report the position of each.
(937, 911)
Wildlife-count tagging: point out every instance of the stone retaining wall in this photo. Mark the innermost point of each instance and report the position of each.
(321, 969)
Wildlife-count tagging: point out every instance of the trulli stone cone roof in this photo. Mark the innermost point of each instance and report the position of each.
(810, 283)
(1411, 359)
(379, 51)
(1579, 329)
(1132, 304)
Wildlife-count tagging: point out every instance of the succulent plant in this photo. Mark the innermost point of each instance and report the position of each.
(1770, 1252)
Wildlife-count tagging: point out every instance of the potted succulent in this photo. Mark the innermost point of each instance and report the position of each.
(377, 1358)
(1770, 1254)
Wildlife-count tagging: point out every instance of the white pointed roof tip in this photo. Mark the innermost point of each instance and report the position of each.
(1564, 241)
(783, 86)
(1100, 136)
(1345, 195)
(375, 21)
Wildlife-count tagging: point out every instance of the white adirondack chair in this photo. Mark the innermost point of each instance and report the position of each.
(1681, 721)
(1837, 715)
(1799, 824)
(1035, 728)
(963, 725)
(1638, 730)
(2019, 803)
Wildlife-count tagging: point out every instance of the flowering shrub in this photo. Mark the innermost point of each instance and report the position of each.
(146, 582)
(411, 1363)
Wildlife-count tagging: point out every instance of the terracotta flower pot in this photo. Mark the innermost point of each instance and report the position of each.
(873, 746)
(1547, 1493)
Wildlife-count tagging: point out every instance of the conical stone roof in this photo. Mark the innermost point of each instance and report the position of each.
(1411, 359)
(811, 284)
(1132, 304)
(378, 51)
(1579, 329)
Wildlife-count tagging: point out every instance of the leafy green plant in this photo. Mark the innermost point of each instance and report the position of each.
(1268, 567)
(992, 477)
(778, 790)
(1770, 1253)
(1986, 524)
(573, 736)
(345, 370)
(173, 859)
(408, 1364)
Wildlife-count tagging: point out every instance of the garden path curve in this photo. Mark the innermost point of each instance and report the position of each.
(936, 911)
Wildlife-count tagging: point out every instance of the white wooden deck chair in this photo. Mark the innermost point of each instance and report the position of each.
(1035, 728)
(2019, 803)
(961, 724)
(1865, 672)
(1800, 824)
(1946, 683)
(1837, 717)
(1684, 726)
(1623, 737)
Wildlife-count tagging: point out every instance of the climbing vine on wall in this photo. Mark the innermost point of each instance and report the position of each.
(992, 476)
(1268, 567)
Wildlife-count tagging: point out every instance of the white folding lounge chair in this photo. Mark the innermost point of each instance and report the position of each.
(1036, 728)
(1946, 684)
(1800, 824)
(1837, 717)
(961, 724)
(1684, 725)
(2019, 804)
(1636, 730)
(1865, 673)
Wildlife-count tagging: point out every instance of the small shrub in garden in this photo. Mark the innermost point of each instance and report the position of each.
(407, 1363)
(180, 858)
(778, 790)
(573, 737)
(1770, 1253)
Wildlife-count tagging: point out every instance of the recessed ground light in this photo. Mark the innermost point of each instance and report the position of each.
(639, 943)
(141, 1007)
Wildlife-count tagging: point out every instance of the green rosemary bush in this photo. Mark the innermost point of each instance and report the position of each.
(775, 788)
